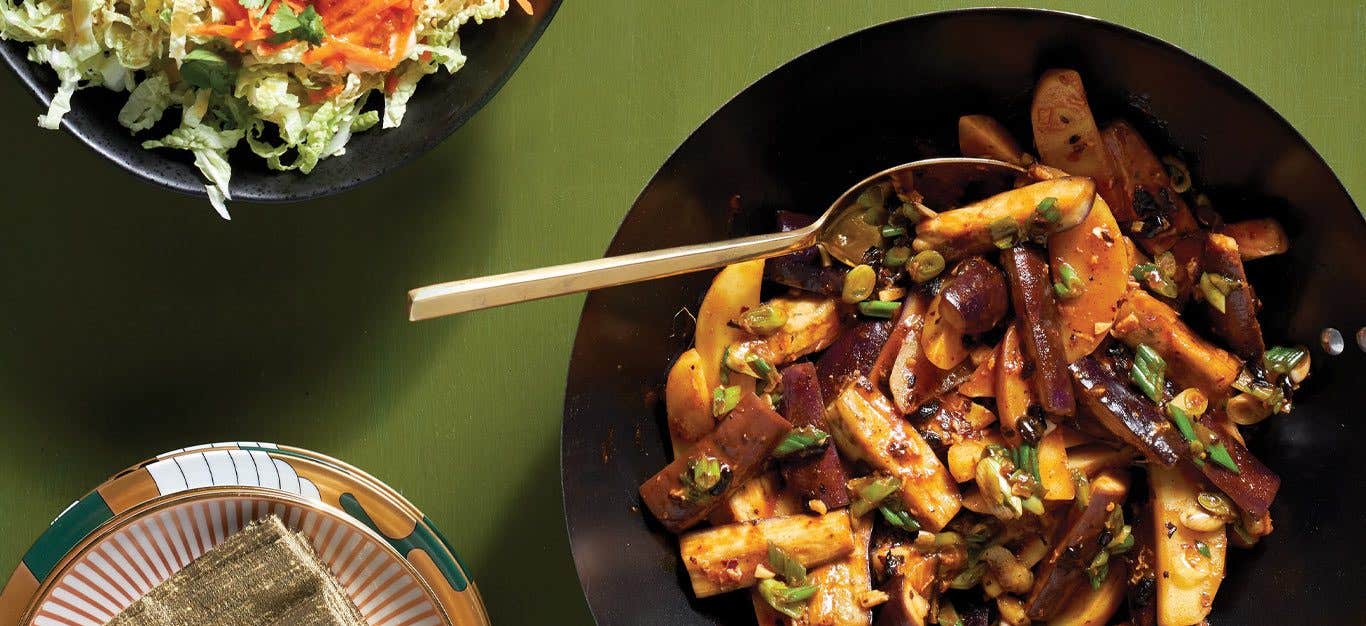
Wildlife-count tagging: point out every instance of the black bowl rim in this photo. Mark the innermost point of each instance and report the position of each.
(949, 13)
(29, 79)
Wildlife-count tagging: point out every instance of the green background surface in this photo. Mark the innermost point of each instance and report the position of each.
(135, 320)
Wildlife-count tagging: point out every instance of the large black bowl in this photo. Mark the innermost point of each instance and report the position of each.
(442, 103)
(892, 93)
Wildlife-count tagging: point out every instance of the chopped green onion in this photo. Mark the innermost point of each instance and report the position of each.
(1148, 371)
(1219, 454)
(725, 369)
(781, 597)
(763, 320)
(879, 308)
(1026, 458)
(1150, 276)
(783, 564)
(1083, 488)
(1070, 284)
(891, 232)
(797, 594)
(724, 399)
(1216, 288)
(1005, 233)
(859, 284)
(761, 367)
(899, 518)
(1182, 421)
(1203, 549)
(869, 492)
(705, 476)
(1033, 504)
(968, 578)
(896, 256)
(1099, 569)
(801, 440)
(926, 265)
(1282, 359)
(1048, 209)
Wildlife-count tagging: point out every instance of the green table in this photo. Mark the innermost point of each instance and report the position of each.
(136, 321)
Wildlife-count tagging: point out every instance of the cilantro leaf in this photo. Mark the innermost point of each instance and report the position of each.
(291, 26)
(206, 69)
(251, 4)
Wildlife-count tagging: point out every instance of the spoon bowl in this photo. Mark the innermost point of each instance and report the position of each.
(839, 231)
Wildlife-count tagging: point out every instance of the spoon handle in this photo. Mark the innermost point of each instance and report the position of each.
(472, 294)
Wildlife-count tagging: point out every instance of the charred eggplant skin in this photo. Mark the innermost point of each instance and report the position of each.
(1031, 292)
(852, 355)
(1237, 324)
(1253, 487)
(819, 476)
(974, 296)
(1074, 546)
(1126, 413)
(740, 443)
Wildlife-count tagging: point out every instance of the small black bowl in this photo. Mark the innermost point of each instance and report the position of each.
(890, 94)
(442, 103)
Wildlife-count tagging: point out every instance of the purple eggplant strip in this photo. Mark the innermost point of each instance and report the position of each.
(819, 476)
(804, 269)
(852, 355)
(1126, 413)
(1031, 291)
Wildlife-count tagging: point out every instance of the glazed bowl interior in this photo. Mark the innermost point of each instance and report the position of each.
(442, 103)
(890, 94)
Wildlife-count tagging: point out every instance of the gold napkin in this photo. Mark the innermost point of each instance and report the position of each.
(265, 574)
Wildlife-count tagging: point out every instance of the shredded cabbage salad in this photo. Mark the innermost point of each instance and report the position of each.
(288, 77)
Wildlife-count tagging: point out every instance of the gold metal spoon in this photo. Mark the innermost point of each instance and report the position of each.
(937, 178)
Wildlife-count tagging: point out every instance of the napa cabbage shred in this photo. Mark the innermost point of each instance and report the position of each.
(289, 78)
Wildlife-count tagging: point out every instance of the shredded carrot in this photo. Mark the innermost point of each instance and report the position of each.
(391, 83)
(526, 6)
(318, 95)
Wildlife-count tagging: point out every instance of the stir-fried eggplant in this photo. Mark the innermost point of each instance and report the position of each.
(1132, 418)
(976, 228)
(1076, 546)
(821, 475)
(852, 355)
(1156, 216)
(979, 424)
(1031, 291)
(1230, 301)
(1257, 238)
(687, 490)
(1191, 360)
(726, 558)
(804, 269)
(974, 296)
(867, 429)
(1253, 486)
(796, 326)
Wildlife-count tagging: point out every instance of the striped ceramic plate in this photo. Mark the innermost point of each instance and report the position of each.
(143, 525)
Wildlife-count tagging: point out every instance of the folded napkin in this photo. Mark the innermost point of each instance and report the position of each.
(264, 575)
